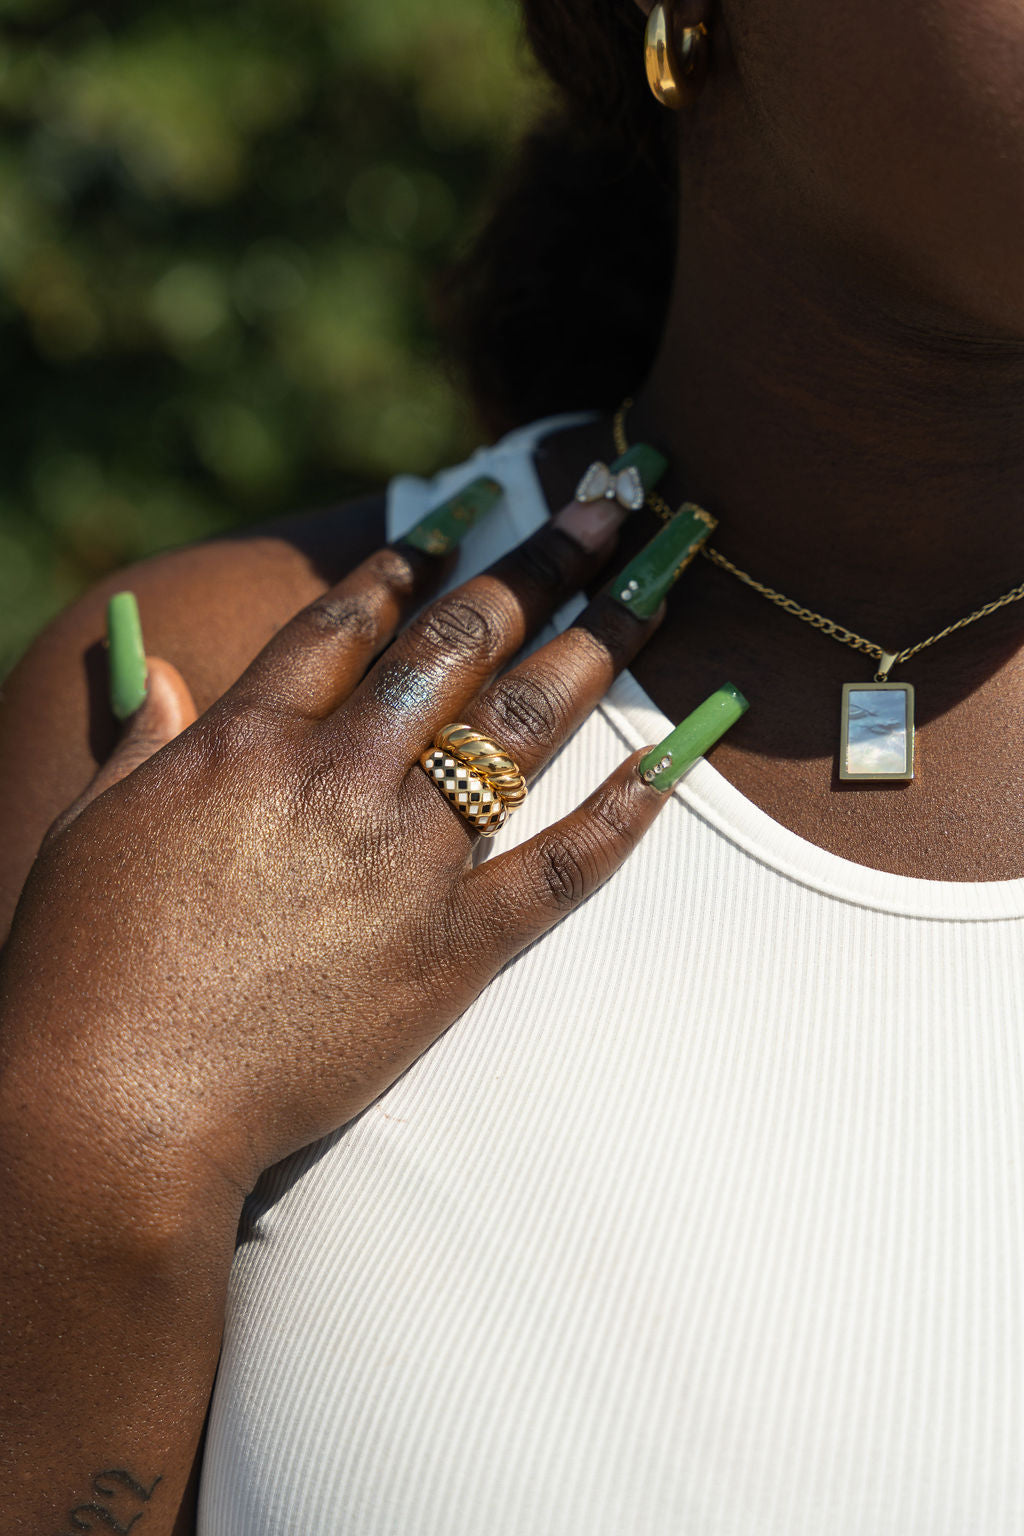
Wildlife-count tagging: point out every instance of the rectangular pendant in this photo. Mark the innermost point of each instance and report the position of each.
(877, 739)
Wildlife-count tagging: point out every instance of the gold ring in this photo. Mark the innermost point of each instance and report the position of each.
(487, 759)
(476, 776)
(471, 795)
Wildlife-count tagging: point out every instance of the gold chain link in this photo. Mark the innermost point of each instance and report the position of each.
(660, 506)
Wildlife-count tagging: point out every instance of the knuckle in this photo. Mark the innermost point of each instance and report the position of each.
(342, 617)
(392, 570)
(566, 871)
(534, 706)
(233, 734)
(461, 627)
(326, 770)
(573, 864)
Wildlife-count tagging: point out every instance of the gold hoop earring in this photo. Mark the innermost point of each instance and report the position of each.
(674, 75)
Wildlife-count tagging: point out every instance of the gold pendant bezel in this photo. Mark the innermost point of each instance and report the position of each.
(845, 774)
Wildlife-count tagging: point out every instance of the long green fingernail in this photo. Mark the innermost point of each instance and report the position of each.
(649, 578)
(127, 655)
(647, 461)
(664, 766)
(447, 525)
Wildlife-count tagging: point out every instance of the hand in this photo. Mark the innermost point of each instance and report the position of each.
(234, 945)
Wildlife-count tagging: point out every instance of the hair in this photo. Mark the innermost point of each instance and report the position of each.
(560, 301)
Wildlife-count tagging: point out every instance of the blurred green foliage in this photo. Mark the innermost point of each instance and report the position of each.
(218, 227)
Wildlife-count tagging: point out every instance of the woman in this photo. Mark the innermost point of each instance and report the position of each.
(705, 1215)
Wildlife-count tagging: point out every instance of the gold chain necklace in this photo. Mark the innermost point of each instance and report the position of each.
(877, 736)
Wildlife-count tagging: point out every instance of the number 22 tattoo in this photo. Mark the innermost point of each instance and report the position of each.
(113, 1486)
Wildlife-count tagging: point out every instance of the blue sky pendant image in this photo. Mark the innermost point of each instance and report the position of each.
(878, 732)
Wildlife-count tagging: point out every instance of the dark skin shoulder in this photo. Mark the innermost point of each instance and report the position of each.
(208, 608)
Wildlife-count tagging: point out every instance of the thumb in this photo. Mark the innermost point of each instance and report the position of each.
(147, 694)
(165, 712)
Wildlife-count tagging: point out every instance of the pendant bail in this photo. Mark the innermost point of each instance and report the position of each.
(889, 660)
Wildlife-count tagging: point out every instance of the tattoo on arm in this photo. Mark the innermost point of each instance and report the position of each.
(118, 1488)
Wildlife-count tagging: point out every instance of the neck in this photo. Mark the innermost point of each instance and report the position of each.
(863, 458)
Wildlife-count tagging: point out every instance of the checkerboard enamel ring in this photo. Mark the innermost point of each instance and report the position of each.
(476, 776)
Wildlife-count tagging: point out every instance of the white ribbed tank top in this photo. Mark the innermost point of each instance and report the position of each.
(707, 1219)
